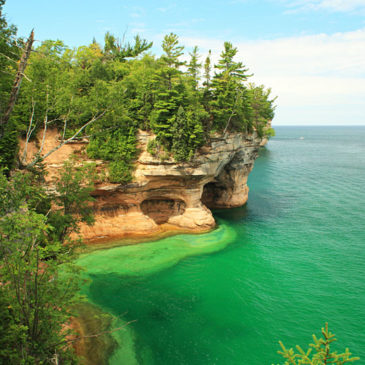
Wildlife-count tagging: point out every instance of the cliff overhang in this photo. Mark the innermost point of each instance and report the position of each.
(167, 196)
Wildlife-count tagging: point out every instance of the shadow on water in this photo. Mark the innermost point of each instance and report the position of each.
(264, 152)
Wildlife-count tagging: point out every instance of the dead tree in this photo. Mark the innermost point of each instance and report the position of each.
(38, 156)
(17, 83)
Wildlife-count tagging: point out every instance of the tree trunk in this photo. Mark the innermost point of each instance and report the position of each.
(17, 82)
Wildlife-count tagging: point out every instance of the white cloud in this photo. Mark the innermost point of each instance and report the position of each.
(167, 8)
(137, 12)
(308, 73)
(331, 5)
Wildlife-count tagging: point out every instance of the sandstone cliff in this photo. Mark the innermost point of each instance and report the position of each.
(167, 196)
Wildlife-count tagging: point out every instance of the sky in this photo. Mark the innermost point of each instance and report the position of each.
(311, 53)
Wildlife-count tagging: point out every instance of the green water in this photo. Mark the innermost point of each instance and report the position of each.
(276, 269)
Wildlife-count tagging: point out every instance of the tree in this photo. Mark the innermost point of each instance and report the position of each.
(72, 198)
(188, 135)
(39, 283)
(262, 107)
(322, 352)
(207, 70)
(17, 83)
(194, 67)
(229, 100)
(38, 309)
(171, 58)
(114, 48)
(9, 55)
(173, 51)
(58, 98)
(10, 52)
(170, 91)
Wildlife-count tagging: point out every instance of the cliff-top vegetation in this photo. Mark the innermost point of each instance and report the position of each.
(126, 89)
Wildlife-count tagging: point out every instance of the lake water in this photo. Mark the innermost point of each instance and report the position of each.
(276, 269)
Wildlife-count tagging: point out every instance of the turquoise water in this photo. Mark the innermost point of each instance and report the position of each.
(276, 269)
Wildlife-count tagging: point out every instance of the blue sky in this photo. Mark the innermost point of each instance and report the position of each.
(310, 52)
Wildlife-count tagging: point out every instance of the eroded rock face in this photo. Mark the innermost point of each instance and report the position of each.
(170, 196)
(166, 196)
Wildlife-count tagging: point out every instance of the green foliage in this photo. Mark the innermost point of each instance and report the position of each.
(153, 147)
(194, 67)
(73, 188)
(230, 102)
(270, 132)
(8, 147)
(262, 108)
(133, 91)
(35, 298)
(116, 50)
(9, 54)
(118, 148)
(24, 188)
(36, 310)
(188, 135)
(172, 51)
(321, 355)
(120, 172)
(163, 115)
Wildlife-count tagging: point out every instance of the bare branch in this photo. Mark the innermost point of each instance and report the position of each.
(40, 158)
(65, 119)
(29, 132)
(101, 333)
(45, 122)
(8, 58)
(230, 117)
(26, 77)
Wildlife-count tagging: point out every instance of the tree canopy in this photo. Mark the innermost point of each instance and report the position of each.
(112, 91)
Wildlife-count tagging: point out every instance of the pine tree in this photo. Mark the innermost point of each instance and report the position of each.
(322, 352)
(194, 67)
(172, 52)
(229, 91)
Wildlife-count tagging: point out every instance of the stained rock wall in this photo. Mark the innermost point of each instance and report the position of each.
(166, 196)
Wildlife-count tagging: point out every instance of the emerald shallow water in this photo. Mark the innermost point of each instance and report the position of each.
(276, 269)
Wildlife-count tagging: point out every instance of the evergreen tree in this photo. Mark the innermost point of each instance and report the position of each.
(170, 58)
(10, 52)
(261, 106)
(229, 91)
(194, 67)
(187, 133)
(207, 70)
(322, 353)
(9, 55)
(115, 49)
(172, 51)
(170, 90)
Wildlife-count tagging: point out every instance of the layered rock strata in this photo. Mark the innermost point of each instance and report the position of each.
(167, 196)
(170, 196)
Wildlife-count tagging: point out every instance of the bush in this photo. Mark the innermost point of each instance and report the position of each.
(322, 352)
(119, 147)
